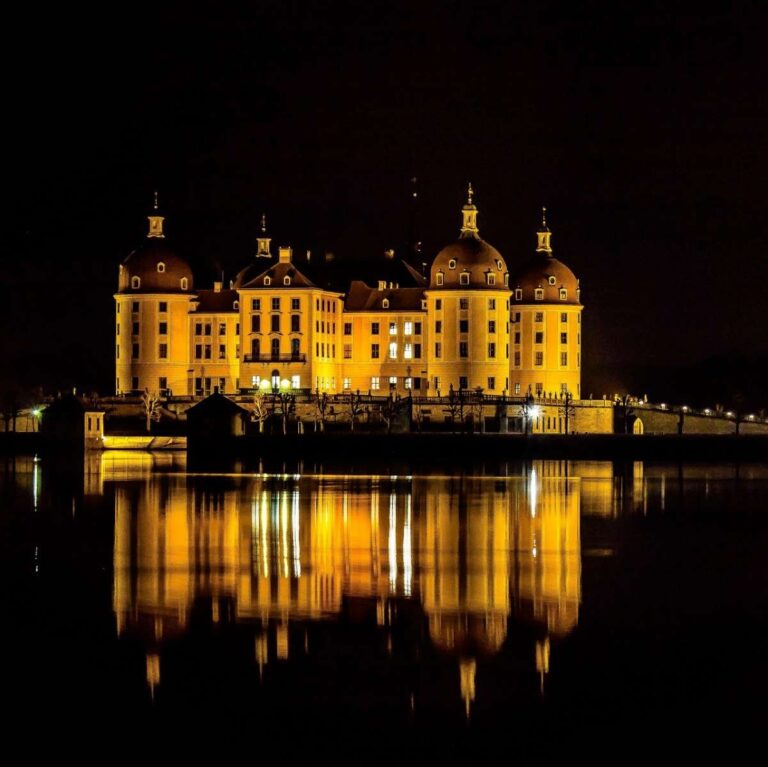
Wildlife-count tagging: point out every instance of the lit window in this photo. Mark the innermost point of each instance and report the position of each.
(408, 328)
(161, 267)
(375, 383)
(439, 278)
(464, 278)
(392, 382)
(393, 350)
(517, 388)
(408, 351)
(135, 283)
(295, 382)
(499, 264)
(347, 383)
(408, 382)
(393, 328)
(563, 294)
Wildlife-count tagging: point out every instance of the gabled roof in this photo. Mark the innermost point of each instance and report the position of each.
(216, 404)
(277, 274)
(362, 298)
(216, 301)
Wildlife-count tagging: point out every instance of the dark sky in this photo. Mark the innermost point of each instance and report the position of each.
(642, 126)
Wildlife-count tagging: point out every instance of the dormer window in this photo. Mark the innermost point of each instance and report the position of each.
(286, 280)
(518, 294)
(452, 263)
(439, 278)
(490, 278)
(498, 264)
(385, 304)
(464, 278)
(424, 304)
(267, 282)
(551, 280)
(236, 306)
(563, 294)
(184, 283)
(161, 267)
(506, 280)
(539, 294)
(135, 282)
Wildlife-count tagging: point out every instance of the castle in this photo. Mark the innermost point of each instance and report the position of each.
(472, 323)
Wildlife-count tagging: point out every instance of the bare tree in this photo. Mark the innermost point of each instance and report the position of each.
(455, 408)
(568, 411)
(151, 404)
(354, 405)
(321, 408)
(283, 405)
(259, 410)
(389, 411)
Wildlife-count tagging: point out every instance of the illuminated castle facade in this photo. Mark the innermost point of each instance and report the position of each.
(471, 323)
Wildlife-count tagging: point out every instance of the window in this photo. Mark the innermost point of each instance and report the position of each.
(161, 267)
(539, 388)
(135, 282)
(438, 350)
(198, 351)
(408, 382)
(538, 294)
(163, 383)
(317, 304)
(222, 328)
(275, 348)
(464, 278)
(163, 307)
(578, 338)
(374, 351)
(518, 294)
(491, 326)
(374, 383)
(506, 280)
(135, 307)
(463, 326)
(463, 349)
(392, 382)
(538, 337)
(117, 355)
(551, 279)
(163, 351)
(563, 294)
(286, 280)
(295, 347)
(236, 307)
(374, 328)
(463, 382)
(275, 323)
(267, 282)
(117, 329)
(517, 336)
(295, 304)
(347, 328)
(275, 304)
(439, 278)
(407, 351)
(393, 328)
(423, 306)
(538, 317)
(393, 350)
(564, 359)
(417, 328)
(256, 323)
(463, 303)
(135, 383)
(295, 382)
(207, 351)
(438, 304)
(255, 348)
(491, 304)
(295, 323)
(539, 359)
(184, 283)
(207, 328)
(491, 382)
(163, 329)
(517, 316)
(438, 326)
(517, 359)
(222, 351)
(452, 263)
(491, 350)
(563, 317)
(563, 338)
(499, 264)
(490, 278)
(506, 351)
(134, 351)
(385, 304)
(346, 383)
(135, 328)
(408, 328)
(417, 351)
(347, 351)
(256, 304)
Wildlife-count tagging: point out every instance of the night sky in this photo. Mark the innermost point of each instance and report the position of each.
(643, 127)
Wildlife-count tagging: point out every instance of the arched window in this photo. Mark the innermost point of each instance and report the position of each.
(385, 304)
(464, 278)
(498, 264)
(236, 305)
(161, 267)
(286, 280)
(267, 282)
(275, 348)
(439, 278)
(184, 283)
(551, 279)
(518, 294)
(294, 347)
(539, 294)
(563, 294)
(135, 282)
(491, 278)
(255, 348)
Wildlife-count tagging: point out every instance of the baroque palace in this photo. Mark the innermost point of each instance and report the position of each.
(472, 322)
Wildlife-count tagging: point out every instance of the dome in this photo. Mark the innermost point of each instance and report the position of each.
(470, 262)
(155, 268)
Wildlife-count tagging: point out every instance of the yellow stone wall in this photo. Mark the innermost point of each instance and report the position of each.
(218, 369)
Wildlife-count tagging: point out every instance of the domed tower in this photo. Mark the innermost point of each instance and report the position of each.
(468, 310)
(546, 324)
(153, 302)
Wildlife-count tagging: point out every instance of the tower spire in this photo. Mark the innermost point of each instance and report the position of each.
(469, 216)
(155, 219)
(262, 242)
(544, 235)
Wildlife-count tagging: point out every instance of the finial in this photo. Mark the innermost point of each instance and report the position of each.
(543, 217)
(264, 223)
(544, 235)
(156, 205)
(469, 216)
(155, 219)
(470, 192)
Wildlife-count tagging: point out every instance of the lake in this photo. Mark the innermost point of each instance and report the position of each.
(531, 608)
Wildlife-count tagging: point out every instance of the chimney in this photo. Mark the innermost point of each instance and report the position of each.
(389, 254)
(285, 254)
(309, 255)
(217, 286)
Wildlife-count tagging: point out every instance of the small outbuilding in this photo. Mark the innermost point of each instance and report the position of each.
(216, 418)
